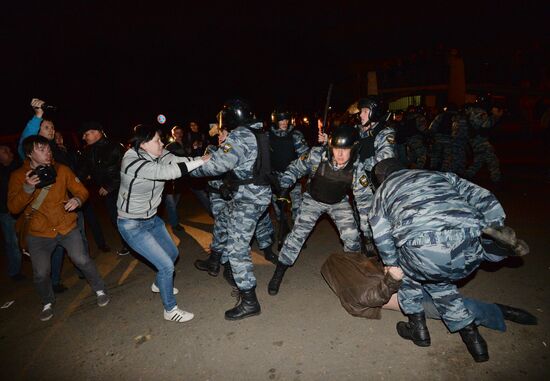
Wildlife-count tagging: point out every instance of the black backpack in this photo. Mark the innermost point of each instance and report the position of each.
(261, 171)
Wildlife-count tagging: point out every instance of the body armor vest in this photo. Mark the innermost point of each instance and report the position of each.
(330, 186)
(366, 145)
(282, 151)
(261, 170)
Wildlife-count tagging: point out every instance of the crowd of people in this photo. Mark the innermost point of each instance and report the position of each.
(417, 230)
(456, 140)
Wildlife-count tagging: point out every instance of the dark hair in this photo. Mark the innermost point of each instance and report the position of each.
(90, 125)
(32, 141)
(142, 134)
(45, 120)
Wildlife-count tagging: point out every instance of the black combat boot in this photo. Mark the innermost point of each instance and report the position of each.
(211, 264)
(248, 306)
(415, 330)
(277, 278)
(228, 275)
(474, 342)
(269, 255)
(517, 315)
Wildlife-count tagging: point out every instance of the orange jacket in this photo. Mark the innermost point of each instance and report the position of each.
(51, 218)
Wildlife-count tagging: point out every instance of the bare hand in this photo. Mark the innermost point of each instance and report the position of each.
(36, 104)
(31, 180)
(103, 191)
(72, 204)
(395, 272)
(322, 137)
(206, 157)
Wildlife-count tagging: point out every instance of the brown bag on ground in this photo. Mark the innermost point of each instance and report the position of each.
(359, 282)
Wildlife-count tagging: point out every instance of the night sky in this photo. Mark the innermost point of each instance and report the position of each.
(122, 63)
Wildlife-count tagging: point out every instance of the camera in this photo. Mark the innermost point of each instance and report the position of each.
(46, 174)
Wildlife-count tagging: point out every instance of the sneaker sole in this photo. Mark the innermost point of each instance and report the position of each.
(46, 319)
(182, 320)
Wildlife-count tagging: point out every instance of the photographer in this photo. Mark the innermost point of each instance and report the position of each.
(38, 191)
(40, 125)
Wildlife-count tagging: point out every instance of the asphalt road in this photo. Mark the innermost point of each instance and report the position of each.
(302, 334)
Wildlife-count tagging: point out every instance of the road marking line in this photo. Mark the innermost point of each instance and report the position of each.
(128, 271)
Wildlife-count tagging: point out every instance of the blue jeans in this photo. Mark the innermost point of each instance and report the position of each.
(151, 240)
(7, 222)
(171, 204)
(485, 314)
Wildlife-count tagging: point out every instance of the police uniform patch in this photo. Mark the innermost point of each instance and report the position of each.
(364, 181)
(226, 148)
(390, 139)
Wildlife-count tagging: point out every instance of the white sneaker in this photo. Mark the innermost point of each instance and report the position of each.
(155, 289)
(178, 315)
(102, 298)
(47, 312)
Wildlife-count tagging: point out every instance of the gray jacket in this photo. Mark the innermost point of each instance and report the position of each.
(142, 180)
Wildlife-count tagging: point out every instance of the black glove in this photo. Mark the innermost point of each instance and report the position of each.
(284, 195)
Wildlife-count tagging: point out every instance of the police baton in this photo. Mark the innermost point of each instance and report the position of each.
(327, 106)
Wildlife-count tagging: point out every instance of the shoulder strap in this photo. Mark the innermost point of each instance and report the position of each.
(41, 196)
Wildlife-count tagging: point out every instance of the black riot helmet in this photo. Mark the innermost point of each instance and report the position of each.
(278, 115)
(376, 106)
(343, 136)
(235, 112)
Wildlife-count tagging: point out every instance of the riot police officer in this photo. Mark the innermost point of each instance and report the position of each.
(411, 134)
(376, 143)
(482, 117)
(287, 144)
(331, 174)
(440, 131)
(250, 195)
